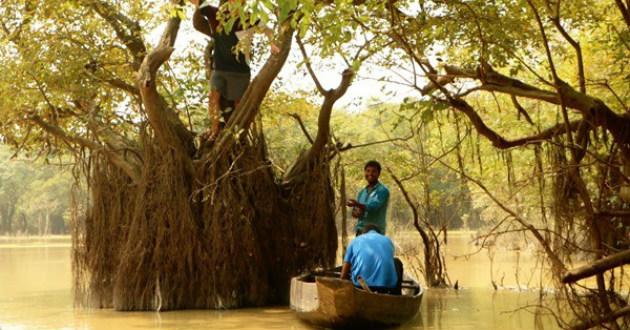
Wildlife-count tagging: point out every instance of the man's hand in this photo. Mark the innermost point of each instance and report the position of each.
(345, 270)
(354, 203)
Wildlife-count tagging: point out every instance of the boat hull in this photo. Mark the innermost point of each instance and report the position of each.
(333, 303)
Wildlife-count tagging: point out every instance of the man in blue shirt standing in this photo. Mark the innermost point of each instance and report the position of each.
(371, 257)
(370, 207)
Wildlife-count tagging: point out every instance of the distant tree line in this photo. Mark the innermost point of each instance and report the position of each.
(34, 198)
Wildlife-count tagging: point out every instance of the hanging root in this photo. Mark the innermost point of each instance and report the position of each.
(220, 232)
(310, 193)
(97, 239)
(163, 254)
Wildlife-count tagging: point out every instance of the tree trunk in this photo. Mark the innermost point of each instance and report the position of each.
(4, 215)
(47, 224)
(22, 223)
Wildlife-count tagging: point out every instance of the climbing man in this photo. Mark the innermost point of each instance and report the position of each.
(231, 72)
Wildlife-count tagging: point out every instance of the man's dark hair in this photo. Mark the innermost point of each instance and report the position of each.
(374, 164)
(369, 227)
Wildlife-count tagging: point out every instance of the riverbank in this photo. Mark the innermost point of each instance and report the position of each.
(35, 241)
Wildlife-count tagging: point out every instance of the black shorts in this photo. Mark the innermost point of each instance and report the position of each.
(231, 85)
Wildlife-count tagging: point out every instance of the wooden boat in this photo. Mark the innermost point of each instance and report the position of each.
(324, 300)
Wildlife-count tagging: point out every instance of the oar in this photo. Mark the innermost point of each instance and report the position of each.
(363, 284)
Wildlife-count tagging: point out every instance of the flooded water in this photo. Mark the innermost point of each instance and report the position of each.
(35, 293)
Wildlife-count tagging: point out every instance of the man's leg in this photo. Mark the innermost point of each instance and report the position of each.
(214, 112)
(218, 87)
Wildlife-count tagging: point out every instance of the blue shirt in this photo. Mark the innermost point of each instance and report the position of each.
(375, 203)
(371, 256)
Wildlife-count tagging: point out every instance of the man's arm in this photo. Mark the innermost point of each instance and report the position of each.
(347, 266)
(201, 24)
(375, 203)
(345, 271)
(269, 33)
(205, 17)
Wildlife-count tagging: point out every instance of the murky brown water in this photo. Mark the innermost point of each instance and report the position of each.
(35, 293)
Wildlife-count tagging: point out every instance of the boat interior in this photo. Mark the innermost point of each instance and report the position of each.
(409, 286)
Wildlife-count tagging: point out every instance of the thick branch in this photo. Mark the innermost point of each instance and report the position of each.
(500, 142)
(167, 126)
(127, 30)
(323, 121)
(318, 148)
(346, 80)
(598, 113)
(330, 97)
(116, 143)
(598, 267)
(614, 213)
(133, 170)
(441, 82)
(246, 110)
(60, 133)
(493, 78)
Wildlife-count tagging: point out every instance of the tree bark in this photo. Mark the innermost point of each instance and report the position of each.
(598, 267)
(596, 111)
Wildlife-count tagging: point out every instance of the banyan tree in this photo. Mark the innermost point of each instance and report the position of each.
(173, 221)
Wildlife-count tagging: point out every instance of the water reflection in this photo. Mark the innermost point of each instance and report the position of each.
(35, 293)
(479, 309)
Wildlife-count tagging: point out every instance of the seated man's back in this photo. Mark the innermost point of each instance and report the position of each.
(371, 256)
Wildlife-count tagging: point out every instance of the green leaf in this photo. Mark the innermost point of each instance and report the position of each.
(427, 115)
(439, 106)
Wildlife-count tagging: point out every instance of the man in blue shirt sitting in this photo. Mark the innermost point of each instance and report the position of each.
(370, 207)
(371, 257)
